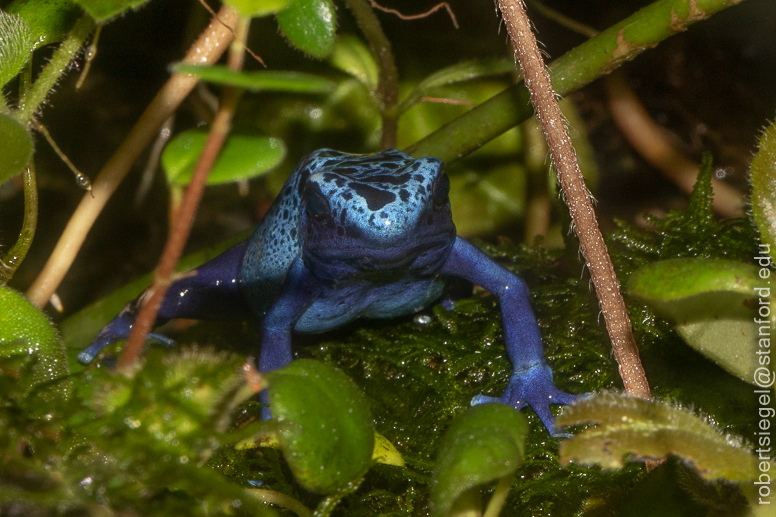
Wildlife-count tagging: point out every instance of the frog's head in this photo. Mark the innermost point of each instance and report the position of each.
(380, 214)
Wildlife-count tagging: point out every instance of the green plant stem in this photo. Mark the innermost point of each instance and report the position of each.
(388, 86)
(582, 65)
(55, 69)
(11, 260)
(499, 496)
(327, 506)
(280, 499)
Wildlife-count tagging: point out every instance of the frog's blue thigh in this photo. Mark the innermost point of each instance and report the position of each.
(531, 382)
(207, 292)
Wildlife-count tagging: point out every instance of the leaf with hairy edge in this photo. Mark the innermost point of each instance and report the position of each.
(711, 303)
(484, 444)
(643, 429)
(50, 21)
(310, 26)
(763, 177)
(104, 10)
(325, 429)
(243, 157)
(256, 8)
(16, 44)
(15, 147)
(352, 56)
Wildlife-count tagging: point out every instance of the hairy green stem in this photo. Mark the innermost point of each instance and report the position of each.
(388, 86)
(11, 260)
(55, 69)
(582, 65)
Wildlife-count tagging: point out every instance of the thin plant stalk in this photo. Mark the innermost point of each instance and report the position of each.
(388, 85)
(280, 499)
(184, 217)
(207, 49)
(499, 496)
(577, 198)
(10, 262)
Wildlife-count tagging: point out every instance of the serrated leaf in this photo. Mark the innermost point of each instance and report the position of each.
(352, 56)
(710, 302)
(325, 428)
(16, 43)
(485, 443)
(264, 80)
(15, 147)
(763, 177)
(457, 73)
(256, 8)
(310, 26)
(242, 157)
(644, 429)
(25, 330)
(104, 10)
(50, 20)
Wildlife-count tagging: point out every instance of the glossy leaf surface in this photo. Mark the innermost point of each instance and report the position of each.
(485, 443)
(325, 428)
(352, 56)
(104, 10)
(15, 147)
(310, 26)
(242, 157)
(256, 8)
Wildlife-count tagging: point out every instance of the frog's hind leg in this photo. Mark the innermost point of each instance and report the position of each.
(210, 291)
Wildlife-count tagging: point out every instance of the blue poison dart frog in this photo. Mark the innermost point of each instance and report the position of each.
(354, 236)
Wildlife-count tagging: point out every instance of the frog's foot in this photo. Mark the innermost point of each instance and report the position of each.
(104, 339)
(533, 387)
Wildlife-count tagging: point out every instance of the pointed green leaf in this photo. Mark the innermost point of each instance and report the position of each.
(763, 177)
(457, 73)
(710, 301)
(264, 80)
(15, 147)
(310, 26)
(484, 444)
(50, 20)
(643, 429)
(16, 43)
(256, 8)
(25, 330)
(242, 157)
(104, 10)
(352, 56)
(326, 431)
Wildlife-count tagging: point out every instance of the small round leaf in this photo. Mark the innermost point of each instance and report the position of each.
(326, 432)
(310, 26)
(242, 157)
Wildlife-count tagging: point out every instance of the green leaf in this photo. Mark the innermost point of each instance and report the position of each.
(15, 147)
(326, 431)
(650, 430)
(104, 10)
(265, 80)
(25, 330)
(310, 26)
(710, 301)
(485, 443)
(242, 157)
(256, 8)
(50, 20)
(460, 72)
(763, 177)
(16, 43)
(352, 56)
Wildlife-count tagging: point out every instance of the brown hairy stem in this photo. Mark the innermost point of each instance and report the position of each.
(184, 217)
(577, 198)
(210, 45)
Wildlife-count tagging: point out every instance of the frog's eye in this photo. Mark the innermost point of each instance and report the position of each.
(441, 190)
(315, 203)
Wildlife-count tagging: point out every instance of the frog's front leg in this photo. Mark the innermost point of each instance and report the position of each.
(531, 382)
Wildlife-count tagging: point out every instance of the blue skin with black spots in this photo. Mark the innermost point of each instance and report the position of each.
(354, 236)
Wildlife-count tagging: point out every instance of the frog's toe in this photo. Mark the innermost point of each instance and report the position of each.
(88, 354)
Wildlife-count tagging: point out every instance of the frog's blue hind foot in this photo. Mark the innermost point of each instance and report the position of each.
(533, 387)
